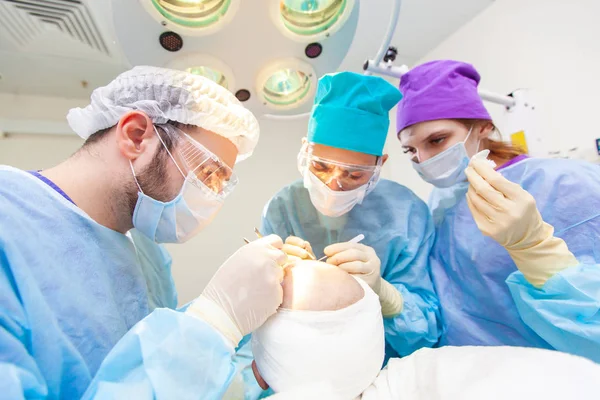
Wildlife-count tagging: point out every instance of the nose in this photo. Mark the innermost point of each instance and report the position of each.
(214, 183)
(334, 184)
(421, 156)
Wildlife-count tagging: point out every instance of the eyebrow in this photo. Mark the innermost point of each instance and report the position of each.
(444, 130)
(430, 135)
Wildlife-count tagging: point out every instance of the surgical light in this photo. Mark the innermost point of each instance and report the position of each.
(312, 17)
(206, 66)
(286, 84)
(192, 13)
(210, 73)
(245, 49)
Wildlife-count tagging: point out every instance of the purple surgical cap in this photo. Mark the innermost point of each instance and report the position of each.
(443, 89)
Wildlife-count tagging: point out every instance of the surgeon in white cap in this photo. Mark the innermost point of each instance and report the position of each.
(87, 301)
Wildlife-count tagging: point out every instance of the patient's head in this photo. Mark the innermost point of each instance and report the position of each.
(329, 328)
(317, 286)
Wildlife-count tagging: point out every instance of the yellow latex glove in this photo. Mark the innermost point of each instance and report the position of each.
(506, 212)
(362, 261)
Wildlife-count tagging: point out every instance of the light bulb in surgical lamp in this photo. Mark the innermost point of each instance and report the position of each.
(210, 73)
(286, 87)
(311, 17)
(192, 13)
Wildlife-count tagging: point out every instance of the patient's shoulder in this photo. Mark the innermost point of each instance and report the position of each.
(317, 286)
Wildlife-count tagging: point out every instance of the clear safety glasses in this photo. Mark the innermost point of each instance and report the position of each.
(344, 176)
(193, 159)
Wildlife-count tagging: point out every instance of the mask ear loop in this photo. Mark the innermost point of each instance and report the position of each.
(165, 146)
(135, 178)
(467, 138)
(168, 152)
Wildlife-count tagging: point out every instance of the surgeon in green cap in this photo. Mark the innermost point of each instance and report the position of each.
(341, 196)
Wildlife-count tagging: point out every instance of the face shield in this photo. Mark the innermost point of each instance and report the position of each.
(198, 165)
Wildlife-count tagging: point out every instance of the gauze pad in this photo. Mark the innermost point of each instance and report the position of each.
(343, 349)
(483, 155)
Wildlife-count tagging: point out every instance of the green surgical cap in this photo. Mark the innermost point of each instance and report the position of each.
(351, 111)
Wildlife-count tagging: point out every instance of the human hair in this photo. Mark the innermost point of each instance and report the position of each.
(96, 137)
(497, 148)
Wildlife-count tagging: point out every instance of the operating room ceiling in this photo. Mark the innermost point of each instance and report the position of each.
(65, 48)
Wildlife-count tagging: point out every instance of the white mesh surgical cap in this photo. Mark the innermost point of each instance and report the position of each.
(341, 349)
(165, 94)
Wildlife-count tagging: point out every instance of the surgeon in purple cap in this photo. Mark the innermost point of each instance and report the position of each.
(517, 251)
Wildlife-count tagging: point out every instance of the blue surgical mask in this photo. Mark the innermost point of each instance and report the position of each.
(447, 168)
(180, 219)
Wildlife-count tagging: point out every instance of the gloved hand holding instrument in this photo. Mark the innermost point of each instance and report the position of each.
(507, 213)
(295, 248)
(245, 291)
(356, 259)
(362, 261)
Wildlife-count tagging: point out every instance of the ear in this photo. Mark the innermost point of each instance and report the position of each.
(261, 382)
(133, 131)
(486, 129)
(384, 158)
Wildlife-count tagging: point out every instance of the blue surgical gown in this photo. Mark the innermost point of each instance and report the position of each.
(485, 300)
(83, 307)
(397, 224)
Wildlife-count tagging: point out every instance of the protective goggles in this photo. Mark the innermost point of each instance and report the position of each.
(344, 176)
(193, 159)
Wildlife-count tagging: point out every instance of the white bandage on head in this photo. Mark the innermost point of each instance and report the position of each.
(165, 94)
(343, 349)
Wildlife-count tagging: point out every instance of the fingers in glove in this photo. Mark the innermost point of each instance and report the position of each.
(495, 179)
(336, 248)
(295, 251)
(481, 220)
(484, 189)
(356, 268)
(296, 241)
(346, 256)
(308, 248)
(271, 240)
(279, 274)
(482, 205)
(273, 272)
(302, 244)
(278, 256)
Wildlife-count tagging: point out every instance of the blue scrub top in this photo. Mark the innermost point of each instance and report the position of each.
(485, 300)
(87, 312)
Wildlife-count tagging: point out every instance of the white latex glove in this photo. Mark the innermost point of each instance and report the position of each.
(362, 261)
(245, 291)
(356, 259)
(298, 249)
(506, 212)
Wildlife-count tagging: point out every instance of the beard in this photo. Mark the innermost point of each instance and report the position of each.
(152, 180)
